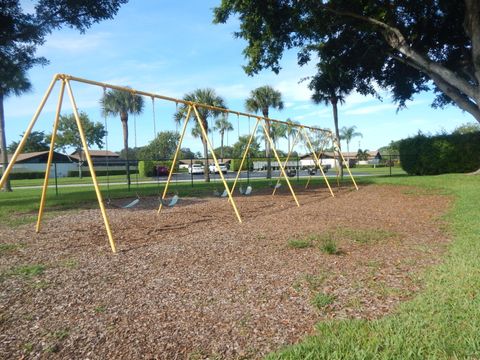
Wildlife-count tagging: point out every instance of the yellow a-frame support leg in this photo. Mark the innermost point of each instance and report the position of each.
(210, 148)
(317, 160)
(177, 151)
(20, 147)
(282, 169)
(286, 160)
(90, 166)
(245, 153)
(50, 157)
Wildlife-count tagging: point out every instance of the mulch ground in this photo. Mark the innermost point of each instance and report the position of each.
(194, 283)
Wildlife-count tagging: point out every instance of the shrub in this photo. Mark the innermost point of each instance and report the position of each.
(445, 153)
(27, 175)
(146, 168)
(328, 245)
(86, 173)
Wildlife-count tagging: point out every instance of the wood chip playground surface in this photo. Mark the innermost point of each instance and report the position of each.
(192, 283)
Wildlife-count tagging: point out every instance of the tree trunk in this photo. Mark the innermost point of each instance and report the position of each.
(221, 144)
(3, 145)
(267, 146)
(334, 102)
(124, 119)
(206, 168)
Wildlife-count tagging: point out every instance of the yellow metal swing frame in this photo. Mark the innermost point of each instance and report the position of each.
(65, 82)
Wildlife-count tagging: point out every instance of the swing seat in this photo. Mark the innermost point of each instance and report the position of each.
(131, 204)
(277, 185)
(248, 191)
(224, 194)
(173, 201)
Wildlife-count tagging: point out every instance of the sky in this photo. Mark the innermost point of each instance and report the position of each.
(172, 48)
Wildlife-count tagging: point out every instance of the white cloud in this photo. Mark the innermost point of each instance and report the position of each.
(74, 42)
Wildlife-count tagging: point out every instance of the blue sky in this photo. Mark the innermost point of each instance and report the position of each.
(171, 48)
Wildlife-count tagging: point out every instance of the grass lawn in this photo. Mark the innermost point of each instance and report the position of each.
(378, 170)
(443, 321)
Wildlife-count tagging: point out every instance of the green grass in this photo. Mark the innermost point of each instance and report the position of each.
(366, 236)
(441, 322)
(28, 271)
(321, 300)
(299, 243)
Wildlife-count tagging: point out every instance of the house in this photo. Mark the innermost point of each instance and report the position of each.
(36, 162)
(98, 156)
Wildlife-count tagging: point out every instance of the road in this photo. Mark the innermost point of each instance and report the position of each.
(185, 178)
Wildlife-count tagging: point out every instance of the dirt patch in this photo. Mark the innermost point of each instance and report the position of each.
(193, 283)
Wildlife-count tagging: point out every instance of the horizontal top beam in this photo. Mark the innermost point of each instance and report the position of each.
(189, 103)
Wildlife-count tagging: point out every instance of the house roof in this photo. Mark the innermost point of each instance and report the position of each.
(95, 153)
(27, 156)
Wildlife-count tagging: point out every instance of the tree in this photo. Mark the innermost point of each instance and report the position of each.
(467, 128)
(122, 103)
(68, 135)
(222, 125)
(186, 153)
(239, 147)
(415, 43)
(362, 154)
(261, 100)
(348, 133)
(279, 131)
(21, 33)
(162, 147)
(207, 97)
(37, 141)
(330, 85)
(292, 130)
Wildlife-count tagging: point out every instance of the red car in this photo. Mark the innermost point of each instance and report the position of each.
(161, 170)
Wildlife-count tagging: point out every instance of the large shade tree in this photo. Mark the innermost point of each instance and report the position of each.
(261, 100)
(406, 46)
(122, 103)
(21, 32)
(203, 96)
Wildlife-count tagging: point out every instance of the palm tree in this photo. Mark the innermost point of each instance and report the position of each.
(348, 133)
(330, 86)
(279, 131)
(122, 103)
(292, 130)
(260, 100)
(203, 96)
(17, 85)
(222, 125)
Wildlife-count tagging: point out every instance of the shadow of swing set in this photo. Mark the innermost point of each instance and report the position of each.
(192, 112)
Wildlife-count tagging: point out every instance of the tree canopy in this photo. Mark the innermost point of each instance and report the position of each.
(407, 47)
(37, 141)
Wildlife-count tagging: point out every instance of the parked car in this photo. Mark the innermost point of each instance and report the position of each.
(196, 169)
(213, 169)
(161, 170)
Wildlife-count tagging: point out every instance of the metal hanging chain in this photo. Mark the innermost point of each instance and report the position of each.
(106, 146)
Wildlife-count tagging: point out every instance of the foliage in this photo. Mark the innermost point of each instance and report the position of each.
(222, 125)
(261, 100)
(362, 154)
(467, 128)
(348, 133)
(439, 154)
(321, 300)
(146, 168)
(37, 141)
(328, 244)
(390, 149)
(162, 147)
(239, 147)
(86, 173)
(27, 175)
(404, 48)
(69, 136)
(186, 153)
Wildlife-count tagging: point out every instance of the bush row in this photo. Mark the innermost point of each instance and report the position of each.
(146, 168)
(86, 173)
(446, 153)
(27, 175)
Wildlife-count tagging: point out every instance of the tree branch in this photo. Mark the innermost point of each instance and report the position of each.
(472, 28)
(396, 40)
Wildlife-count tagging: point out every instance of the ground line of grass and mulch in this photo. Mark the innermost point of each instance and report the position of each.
(441, 322)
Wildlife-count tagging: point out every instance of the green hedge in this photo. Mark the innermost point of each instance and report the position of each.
(27, 175)
(86, 173)
(235, 164)
(439, 154)
(146, 168)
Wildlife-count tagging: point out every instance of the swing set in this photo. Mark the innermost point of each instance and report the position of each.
(192, 112)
